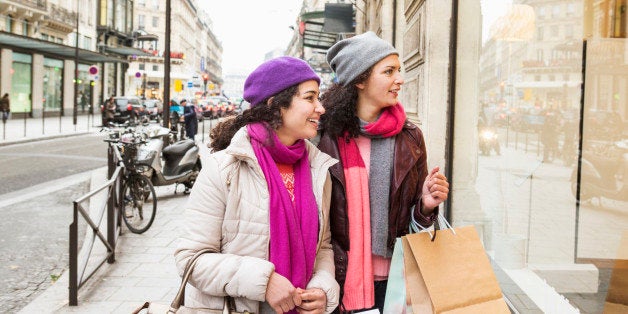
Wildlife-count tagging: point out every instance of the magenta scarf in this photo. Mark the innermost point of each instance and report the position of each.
(293, 226)
(389, 123)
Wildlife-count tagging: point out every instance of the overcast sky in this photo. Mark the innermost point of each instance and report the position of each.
(249, 29)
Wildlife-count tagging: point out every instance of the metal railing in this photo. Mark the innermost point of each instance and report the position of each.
(78, 275)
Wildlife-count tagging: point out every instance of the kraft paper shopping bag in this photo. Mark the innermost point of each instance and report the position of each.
(452, 273)
(617, 296)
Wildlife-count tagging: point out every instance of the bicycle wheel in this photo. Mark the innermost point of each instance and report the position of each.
(139, 203)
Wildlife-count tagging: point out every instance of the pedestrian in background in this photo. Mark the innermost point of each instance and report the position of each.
(262, 202)
(189, 119)
(5, 107)
(382, 180)
(110, 110)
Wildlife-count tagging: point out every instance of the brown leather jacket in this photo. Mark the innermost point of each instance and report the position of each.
(409, 172)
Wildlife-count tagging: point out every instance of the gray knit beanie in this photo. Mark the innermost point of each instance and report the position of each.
(352, 56)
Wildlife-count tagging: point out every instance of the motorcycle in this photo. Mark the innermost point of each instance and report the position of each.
(603, 173)
(489, 141)
(164, 163)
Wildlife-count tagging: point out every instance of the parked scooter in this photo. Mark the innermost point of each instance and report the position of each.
(604, 173)
(488, 141)
(177, 163)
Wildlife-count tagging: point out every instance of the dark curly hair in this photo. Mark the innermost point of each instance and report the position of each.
(340, 107)
(222, 133)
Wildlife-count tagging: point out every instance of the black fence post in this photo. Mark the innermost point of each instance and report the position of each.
(73, 287)
(111, 209)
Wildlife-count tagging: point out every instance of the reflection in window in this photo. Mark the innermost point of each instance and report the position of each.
(530, 90)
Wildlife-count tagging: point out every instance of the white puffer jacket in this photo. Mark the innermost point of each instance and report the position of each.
(228, 211)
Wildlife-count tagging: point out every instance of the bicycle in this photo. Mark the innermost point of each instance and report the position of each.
(138, 200)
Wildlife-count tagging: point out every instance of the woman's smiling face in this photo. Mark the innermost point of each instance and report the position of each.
(300, 120)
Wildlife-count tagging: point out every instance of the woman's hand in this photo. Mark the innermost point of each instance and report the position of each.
(281, 295)
(435, 190)
(314, 301)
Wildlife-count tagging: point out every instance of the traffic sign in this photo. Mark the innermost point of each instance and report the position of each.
(190, 84)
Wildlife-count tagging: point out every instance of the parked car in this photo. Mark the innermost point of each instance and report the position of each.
(153, 108)
(128, 109)
(215, 106)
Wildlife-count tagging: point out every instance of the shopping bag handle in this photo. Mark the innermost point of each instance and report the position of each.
(416, 227)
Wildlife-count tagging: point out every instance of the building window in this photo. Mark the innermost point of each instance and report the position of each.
(141, 66)
(140, 21)
(555, 10)
(155, 68)
(539, 54)
(554, 31)
(8, 24)
(155, 4)
(537, 78)
(569, 31)
(571, 9)
(541, 13)
(87, 43)
(540, 31)
(155, 21)
(25, 27)
(43, 36)
(141, 3)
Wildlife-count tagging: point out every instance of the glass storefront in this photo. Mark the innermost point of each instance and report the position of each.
(21, 83)
(84, 89)
(53, 85)
(552, 80)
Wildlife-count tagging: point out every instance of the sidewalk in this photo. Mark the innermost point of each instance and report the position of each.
(19, 130)
(144, 269)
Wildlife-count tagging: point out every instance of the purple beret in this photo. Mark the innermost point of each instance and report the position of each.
(276, 75)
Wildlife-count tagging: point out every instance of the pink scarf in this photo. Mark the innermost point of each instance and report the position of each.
(359, 292)
(293, 226)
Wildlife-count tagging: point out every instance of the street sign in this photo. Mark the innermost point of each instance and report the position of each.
(190, 84)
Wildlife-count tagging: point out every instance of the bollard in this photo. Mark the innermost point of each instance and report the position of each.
(203, 133)
(25, 113)
(4, 129)
(43, 120)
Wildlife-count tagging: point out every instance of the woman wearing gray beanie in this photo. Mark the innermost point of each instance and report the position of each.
(382, 181)
(261, 203)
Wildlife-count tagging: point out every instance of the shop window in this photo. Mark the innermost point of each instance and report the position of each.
(529, 100)
(53, 84)
(21, 83)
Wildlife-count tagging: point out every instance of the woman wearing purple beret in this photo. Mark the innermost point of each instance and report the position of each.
(262, 202)
(382, 180)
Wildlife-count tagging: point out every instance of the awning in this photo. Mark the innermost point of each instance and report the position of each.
(127, 51)
(321, 29)
(54, 49)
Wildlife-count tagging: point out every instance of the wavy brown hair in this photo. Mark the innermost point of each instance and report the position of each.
(269, 112)
(340, 103)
